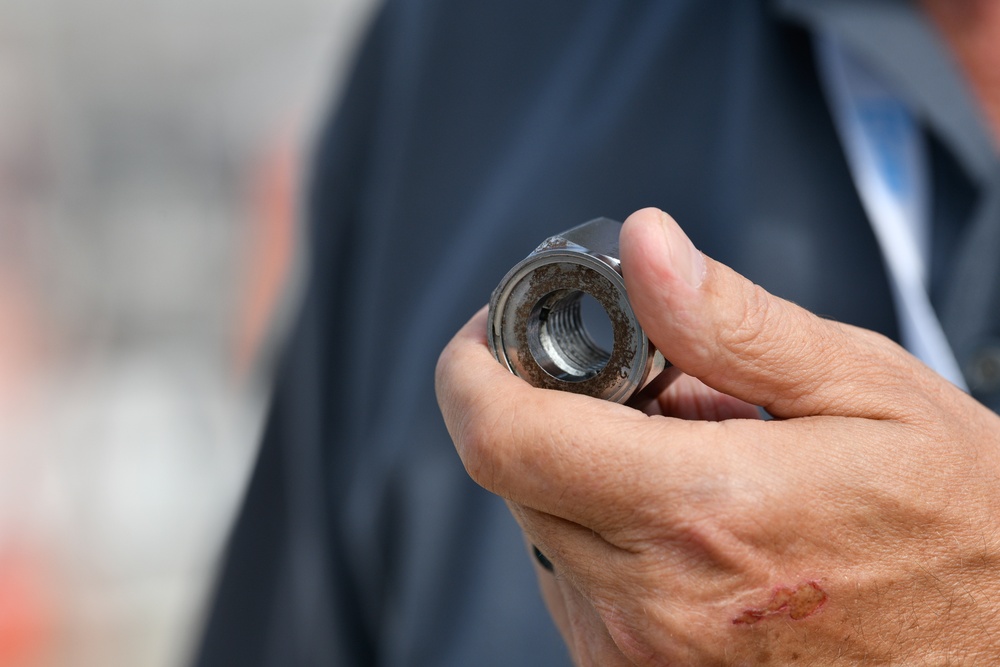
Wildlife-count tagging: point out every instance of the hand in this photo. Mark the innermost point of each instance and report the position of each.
(858, 527)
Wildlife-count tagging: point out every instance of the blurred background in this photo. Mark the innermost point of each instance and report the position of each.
(151, 157)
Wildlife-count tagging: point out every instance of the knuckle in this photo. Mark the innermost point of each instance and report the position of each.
(708, 542)
(477, 464)
(631, 631)
(479, 444)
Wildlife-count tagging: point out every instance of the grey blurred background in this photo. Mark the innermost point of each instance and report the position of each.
(150, 165)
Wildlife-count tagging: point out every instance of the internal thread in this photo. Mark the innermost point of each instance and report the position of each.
(560, 343)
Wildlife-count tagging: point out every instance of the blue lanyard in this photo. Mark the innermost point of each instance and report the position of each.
(886, 153)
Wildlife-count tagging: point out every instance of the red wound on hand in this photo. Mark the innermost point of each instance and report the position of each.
(797, 603)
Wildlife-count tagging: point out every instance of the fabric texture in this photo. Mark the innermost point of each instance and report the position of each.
(468, 133)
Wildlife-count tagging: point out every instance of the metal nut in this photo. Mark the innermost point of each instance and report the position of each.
(537, 331)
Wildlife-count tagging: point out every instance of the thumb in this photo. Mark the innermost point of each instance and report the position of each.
(734, 336)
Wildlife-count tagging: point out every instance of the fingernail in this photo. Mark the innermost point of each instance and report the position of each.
(684, 257)
(542, 560)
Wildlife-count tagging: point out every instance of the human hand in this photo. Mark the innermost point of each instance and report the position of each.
(858, 527)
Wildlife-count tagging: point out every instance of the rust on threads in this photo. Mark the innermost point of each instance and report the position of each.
(795, 603)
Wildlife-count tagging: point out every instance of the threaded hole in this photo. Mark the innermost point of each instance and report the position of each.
(570, 335)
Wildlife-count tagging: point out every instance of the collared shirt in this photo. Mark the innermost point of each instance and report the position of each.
(899, 42)
(468, 133)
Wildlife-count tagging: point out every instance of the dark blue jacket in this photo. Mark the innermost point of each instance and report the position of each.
(469, 132)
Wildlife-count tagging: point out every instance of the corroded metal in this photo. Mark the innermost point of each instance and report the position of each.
(536, 328)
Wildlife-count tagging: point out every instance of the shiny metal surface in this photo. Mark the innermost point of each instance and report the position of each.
(538, 329)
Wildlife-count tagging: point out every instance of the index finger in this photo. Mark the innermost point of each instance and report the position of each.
(580, 458)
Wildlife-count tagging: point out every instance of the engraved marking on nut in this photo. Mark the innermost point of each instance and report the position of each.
(537, 330)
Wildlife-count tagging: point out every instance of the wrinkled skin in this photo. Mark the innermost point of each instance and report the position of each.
(858, 527)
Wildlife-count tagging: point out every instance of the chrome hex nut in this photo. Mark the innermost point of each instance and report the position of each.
(537, 330)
